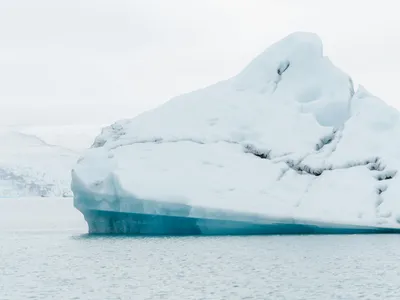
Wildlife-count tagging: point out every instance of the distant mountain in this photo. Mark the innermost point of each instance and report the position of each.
(36, 161)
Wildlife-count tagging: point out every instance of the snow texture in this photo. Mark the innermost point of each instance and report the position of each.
(33, 163)
(287, 139)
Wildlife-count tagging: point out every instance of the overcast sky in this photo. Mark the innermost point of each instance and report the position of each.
(95, 61)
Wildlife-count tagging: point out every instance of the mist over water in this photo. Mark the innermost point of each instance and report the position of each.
(45, 253)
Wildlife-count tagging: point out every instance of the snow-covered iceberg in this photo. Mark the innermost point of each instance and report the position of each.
(286, 146)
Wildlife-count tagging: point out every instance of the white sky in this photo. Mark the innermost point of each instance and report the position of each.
(95, 61)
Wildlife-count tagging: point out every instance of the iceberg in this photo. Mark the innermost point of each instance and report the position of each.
(286, 146)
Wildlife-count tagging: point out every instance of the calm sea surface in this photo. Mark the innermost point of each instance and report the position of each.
(46, 254)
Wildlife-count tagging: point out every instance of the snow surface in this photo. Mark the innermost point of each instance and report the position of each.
(287, 138)
(37, 161)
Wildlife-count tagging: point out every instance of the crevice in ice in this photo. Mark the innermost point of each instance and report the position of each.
(381, 189)
(379, 201)
(331, 139)
(337, 139)
(283, 66)
(326, 140)
(159, 140)
(266, 154)
(286, 169)
(352, 91)
(302, 168)
(386, 175)
(307, 189)
(377, 165)
(373, 164)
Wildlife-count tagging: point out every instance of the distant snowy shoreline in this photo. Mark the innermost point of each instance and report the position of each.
(37, 160)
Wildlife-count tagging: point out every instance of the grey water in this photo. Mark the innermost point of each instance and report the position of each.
(45, 253)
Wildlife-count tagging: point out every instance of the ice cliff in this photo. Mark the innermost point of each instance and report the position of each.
(286, 142)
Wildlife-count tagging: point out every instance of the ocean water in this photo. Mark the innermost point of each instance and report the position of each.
(45, 253)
